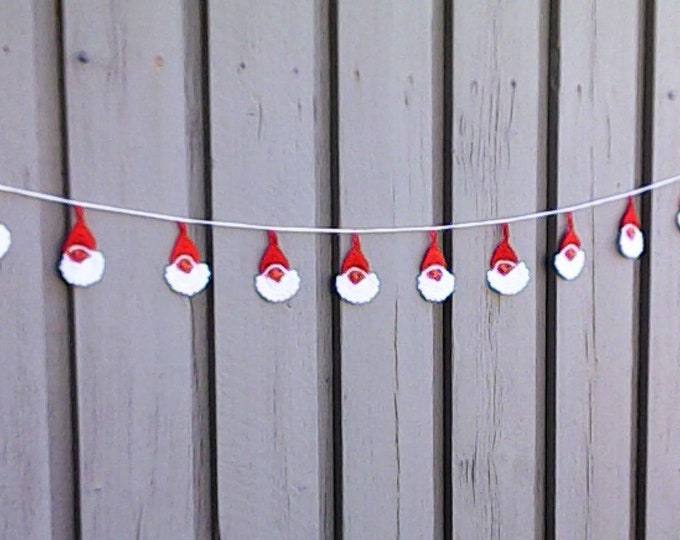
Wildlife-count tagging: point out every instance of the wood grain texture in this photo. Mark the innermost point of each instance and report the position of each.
(269, 124)
(134, 139)
(663, 435)
(36, 467)
(390, 110)
(499, 104)
(598, 154)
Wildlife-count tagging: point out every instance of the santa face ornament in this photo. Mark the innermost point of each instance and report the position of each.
(5, 240)
(435, 282)
(186, 274)
(507, 275)
(276, 282)
(631, 238)
(570, 260)
(356, 284)
(81, 264)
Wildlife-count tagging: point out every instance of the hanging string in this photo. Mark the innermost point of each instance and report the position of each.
(338, 230)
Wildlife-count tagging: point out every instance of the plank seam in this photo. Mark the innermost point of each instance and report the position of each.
(71, 310)
(648, 42)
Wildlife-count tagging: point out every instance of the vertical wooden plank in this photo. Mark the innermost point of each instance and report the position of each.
(134, 126)
(499, 104)
(36, 467)
(390, 110)
(269, 132)
(596, 320)
(663, 435)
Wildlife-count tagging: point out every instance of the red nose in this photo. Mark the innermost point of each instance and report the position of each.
(276, 274)
(435, 274)
(78, 255)
(630, 233)
(570, 254)
(504, 268)
(185, 265)
(355, 276)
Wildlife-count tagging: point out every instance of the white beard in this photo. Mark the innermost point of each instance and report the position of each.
(278, 291)
(84, 273)
(631, 249)
(569, 269)
(360, 293)
(190, 283)
(511, 283)
(5, 240)
(433, 290)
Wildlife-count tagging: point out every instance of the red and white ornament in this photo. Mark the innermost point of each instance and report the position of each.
(5, 240)
(277, 282)
(507, 275)
(186, 274)
(435, 282)
(631, 238)
(81, 264)
(570, 259)
(356, 284)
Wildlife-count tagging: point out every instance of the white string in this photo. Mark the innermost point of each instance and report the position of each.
(339, 230)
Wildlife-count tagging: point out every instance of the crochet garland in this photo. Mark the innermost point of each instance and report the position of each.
(82, 264)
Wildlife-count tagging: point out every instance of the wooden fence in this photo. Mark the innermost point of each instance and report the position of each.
(127, 411)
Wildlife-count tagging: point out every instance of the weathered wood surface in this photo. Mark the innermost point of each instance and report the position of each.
(270, 124)
(134, 139)
(598, 153)
(226, 109)
(36, 472)
(663, 438)
(499, 107)
(389, 89)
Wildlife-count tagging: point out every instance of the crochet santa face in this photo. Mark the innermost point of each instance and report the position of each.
(507, 275)
(81, 264)
(435, 282)
(356, 284)
(277, 282)
(569, 261)
(186, 274)
(631, 239)
(5, 240)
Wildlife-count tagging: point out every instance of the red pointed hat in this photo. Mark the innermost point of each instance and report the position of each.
(630, 217)
(355, 258)
(433, 255)
(273, 254)
(80, 234)
(504, 251)
(184, 246)
(570, 237)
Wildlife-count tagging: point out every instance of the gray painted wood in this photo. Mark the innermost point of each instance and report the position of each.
(499, 104)
(596, 324)
(269, 125)
(133, 104)
(390, 110)
(36, 474)
(663, 444)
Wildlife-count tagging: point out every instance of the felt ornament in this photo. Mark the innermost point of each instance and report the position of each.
(435, 282)
(507, 274)
(631, 238)
(81, 264)
(570, 259)
(276, 281)
(186, 274)
(356, 284)
(5, 240)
